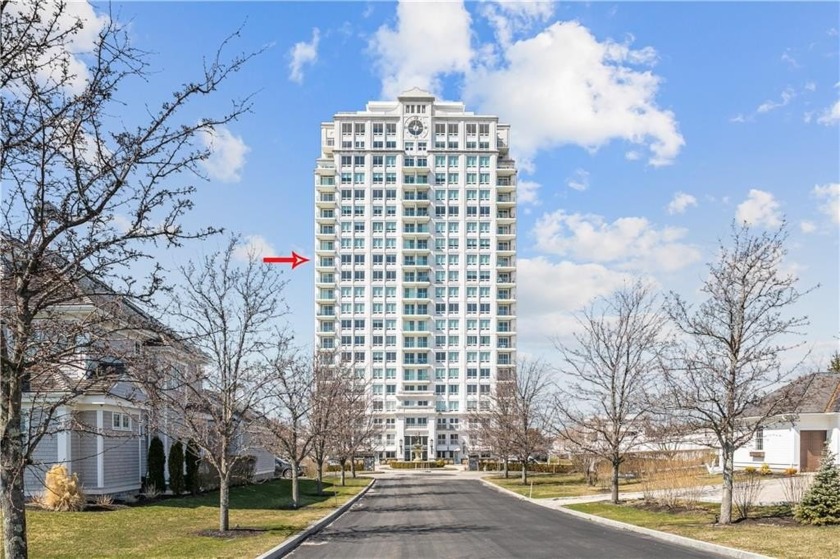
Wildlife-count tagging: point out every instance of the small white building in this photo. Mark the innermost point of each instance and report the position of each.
(795, 438)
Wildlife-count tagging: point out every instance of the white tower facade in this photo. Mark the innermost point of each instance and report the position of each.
(415, 265)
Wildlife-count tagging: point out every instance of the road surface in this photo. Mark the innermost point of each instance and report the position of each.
(436, 516)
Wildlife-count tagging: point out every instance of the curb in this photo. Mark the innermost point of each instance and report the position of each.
(289, 544)
(663, 536)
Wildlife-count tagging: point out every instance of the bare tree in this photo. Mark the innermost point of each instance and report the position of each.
(68, 168)
(492, 428)
(354, 428)
(287, 417)
(729, 357)
(519, 410)
(329, 384)
(229, 312)
(611, 366)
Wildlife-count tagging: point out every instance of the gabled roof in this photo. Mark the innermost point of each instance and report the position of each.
(811, 393)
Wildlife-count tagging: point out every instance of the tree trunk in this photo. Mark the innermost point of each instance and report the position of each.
(11, 468)
(614, 482)
(728, 474)
(295, 486)
(505, 466)
(343, 476)
(319, 478)
(14, 513)
(525, 471)
(224, 503)
(353, 466)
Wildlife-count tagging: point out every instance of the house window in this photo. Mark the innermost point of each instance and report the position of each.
(121, 421)
(759, 438)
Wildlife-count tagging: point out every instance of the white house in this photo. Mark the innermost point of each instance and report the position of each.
(795, 437)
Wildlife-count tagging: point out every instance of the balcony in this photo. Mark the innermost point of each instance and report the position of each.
(506, 200)
(505, 167)
(325, 201)
(506, 248)
(506, 232)
(505, 280)
(506, 263)
(505, 216)
(325, 168)
(505, 184)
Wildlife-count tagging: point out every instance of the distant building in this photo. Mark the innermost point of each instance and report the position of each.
(795, 437)
(415, 272)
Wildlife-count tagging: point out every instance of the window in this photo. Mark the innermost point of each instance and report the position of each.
(121, 421)
(759, 438)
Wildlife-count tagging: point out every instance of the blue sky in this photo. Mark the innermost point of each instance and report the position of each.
(642, 129)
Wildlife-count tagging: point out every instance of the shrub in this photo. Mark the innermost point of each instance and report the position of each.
(538, 467)
(157, 463)
(750, 470)
(63, 491)
(790, 471)
(176, 468)
(794, 488)
(104, 501)
(360, 466)
(410, 465)
(243, 470)
(821, 503)
(745, 492)
(151, 491)
(208, 477)
(192, 457)
(765, 470)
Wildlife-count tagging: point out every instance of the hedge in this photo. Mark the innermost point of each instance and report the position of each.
(536, 467)
(410, 465)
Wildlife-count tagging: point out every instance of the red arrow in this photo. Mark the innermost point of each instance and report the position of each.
(295, 260)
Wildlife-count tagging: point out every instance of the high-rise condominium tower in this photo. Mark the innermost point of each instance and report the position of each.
(415, 272)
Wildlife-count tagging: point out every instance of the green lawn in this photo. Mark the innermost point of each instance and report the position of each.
(548, 486)
(759, 534)
(170, 528)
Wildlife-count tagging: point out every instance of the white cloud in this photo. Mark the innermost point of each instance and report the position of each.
(760, 208)
(549, 293)
(303, 54)
(527, 192)
(629, 242)
(787, 96)
(789, 59)
(579, 180)
(830, 115)
(82, 40)
(430, 39)
(605, 95)
(807, 226)
(810, 86)
(227, 154)
(253, 247)
(680, 202)
(511, 18)
(739, 118)
(579, 91)
(829, 195)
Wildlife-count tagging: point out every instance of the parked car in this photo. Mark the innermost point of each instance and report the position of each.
(283, 469)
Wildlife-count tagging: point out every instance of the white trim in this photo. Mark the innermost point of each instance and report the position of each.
(100, 450)
(109, 490)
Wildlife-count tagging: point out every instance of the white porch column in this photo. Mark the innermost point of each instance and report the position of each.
(63, 439)
(100, 449)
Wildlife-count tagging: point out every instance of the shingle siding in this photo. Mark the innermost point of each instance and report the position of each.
(84, 451)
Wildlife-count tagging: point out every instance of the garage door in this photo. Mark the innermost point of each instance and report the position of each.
(811, 445)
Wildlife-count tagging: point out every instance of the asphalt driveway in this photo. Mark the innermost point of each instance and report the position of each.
(438, 516)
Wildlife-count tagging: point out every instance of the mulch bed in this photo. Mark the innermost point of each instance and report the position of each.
(233, 533)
